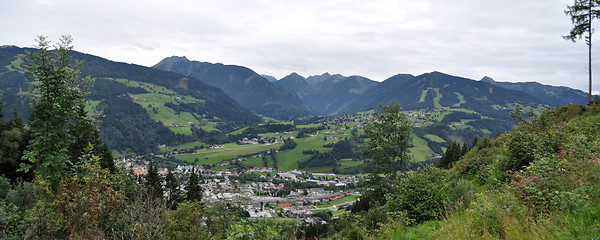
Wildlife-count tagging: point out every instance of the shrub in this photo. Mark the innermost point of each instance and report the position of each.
(420, 195)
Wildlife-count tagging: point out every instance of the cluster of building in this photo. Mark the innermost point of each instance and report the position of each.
(260, 198)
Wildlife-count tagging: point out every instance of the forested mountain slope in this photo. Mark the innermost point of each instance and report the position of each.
(249, 89)
(126, 97)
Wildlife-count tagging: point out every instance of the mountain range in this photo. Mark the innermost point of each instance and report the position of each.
(245, 86)
(179, 100)
(133, 102)
(327, 94)
(335, 94)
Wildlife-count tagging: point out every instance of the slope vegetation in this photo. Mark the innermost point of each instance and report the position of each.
(538, 182)
(246, 87)
(123, 95)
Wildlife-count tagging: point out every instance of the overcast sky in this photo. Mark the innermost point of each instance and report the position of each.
(508, 40)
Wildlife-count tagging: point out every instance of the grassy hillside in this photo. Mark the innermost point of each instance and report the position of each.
(540, 181)
(155, 101)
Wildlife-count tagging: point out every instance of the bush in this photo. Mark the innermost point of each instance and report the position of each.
(420, 195)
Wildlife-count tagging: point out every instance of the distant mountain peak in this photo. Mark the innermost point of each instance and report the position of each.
(269, 77)
(489, 80)
(294, 74)
(169, 61)
(178, 58)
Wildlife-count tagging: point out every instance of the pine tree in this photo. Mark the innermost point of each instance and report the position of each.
(154, 183)
(475, 142)
(193, 189)
(452, 154)
(465, 149)
(172, 190)
(13, 139)
(582, 13)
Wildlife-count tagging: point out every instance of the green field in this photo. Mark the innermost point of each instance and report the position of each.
(435, 138)
(289, 159)
(420, 151)
(308, 126)
(349, 163)
(229, 151)
(258, 162)
(90, 106)
(327, 210)
(338, 201)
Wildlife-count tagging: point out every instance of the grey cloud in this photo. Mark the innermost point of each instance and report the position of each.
(510, 40)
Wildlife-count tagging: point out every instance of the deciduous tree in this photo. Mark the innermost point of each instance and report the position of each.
(389, 145)
(59, 126)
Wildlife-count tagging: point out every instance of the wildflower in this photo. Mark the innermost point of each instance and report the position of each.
(528, 199)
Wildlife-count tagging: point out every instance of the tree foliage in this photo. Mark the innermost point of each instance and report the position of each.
(389, 145)
(59, 126)
(172, 190)
(193, 189)
(453, 153)
(154, 183)
(83, 207)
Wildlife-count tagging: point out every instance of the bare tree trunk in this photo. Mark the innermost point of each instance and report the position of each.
(590, 55)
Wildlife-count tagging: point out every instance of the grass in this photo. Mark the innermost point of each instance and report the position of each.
(90, 107)
(229, 151)
(314, 125)
(435, 138)
(348, 198)
(286, 160)
(190, 145)
(461, 100)
(16, 65)
(321, 169)
(420, 151)
(239, 131)
(258, 162)
(289, 159)
(436, 99)
(421, 231)
(423, 95)
(350, 163)
(336, 212)
(154, 102)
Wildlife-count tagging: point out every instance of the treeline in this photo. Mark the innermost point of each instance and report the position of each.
(288, 144)
(346, 148)
(125, 125)
(304, 132)
(458, 116)
(269, 127)
(444, 132)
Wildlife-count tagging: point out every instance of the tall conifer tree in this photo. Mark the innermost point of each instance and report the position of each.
(582, 12)
(193, 189)
(154, 182)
